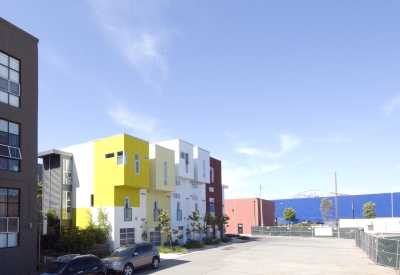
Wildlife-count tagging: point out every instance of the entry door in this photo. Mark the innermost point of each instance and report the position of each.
(240, 228)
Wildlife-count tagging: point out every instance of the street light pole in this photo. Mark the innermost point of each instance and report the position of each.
(262, 222)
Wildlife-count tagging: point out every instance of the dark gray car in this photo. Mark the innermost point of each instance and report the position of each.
(129, 257)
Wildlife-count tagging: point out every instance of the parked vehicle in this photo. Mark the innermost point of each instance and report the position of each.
(74, 264)
(129, 257)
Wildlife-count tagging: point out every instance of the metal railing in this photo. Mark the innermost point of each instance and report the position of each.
(305, 231)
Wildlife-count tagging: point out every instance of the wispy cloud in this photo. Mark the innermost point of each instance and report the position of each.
(389, 108)
(288, 144)
(135, 30)
(242, 177)
(142, 126)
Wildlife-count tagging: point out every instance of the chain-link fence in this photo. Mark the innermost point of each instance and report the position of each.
(383, 250)
(304, 231)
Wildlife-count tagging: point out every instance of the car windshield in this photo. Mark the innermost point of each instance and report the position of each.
(122, 252)
(53, 267)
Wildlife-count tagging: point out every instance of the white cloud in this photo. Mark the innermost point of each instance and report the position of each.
(389, 108)
(142, 126)
(288, 144)
(133, 27)
(243, 177)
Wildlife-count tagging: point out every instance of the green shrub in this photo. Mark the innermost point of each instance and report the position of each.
(193, 244)
(246, 238)
(174, 243)
(209, 241)
(226, 240)
(175, 249)
(232, 235)
(76, 241)
(217, 241)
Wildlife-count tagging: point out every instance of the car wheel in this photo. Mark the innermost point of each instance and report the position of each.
(155, 263)
(128, 269)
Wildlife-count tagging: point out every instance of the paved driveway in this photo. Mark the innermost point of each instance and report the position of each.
(275, 255)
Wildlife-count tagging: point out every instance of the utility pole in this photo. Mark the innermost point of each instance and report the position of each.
(262, 222)
(336, 203)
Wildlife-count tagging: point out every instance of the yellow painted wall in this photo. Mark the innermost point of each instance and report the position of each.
(81, 217)
(164, 202)
(157, 169)
(112, 182)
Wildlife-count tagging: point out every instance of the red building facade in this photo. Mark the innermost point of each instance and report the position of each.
(245, 213)
(214, 191)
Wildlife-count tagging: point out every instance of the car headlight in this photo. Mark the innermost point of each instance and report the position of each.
(115, 263)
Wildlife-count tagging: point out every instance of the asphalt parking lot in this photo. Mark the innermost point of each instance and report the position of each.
(274, 255)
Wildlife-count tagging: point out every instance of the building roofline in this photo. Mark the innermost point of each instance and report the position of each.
(19, 30)
(54, 152)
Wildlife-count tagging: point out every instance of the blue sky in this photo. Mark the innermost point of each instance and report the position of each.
(284, 93)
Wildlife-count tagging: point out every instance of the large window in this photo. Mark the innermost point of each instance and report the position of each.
(121, 158)
(212, 208)
(9, 80)
(212, 174)
(66, 208)
(10, 153)
(178, 211)
(67, 171)
(127, 209)
(137, 164)
(156, 211)
(9, 217)
(126, 236)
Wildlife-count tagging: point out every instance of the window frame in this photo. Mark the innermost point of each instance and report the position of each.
(137, 163)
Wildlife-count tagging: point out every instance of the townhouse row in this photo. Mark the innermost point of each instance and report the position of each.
(132, 180)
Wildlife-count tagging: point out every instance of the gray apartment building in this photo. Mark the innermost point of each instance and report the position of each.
(18, 149)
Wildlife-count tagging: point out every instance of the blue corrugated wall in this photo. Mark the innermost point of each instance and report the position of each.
(308, 208)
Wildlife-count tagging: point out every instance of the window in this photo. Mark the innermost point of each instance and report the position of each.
(211, 199)
(127, 209)
(165, 174)
(121, 158)
(211, 189)
(176, 195)
(212, 174)
(187, 162)
(196, 207)
(137, 164)
(126, 236)
(194, 197)
(109, 155)
(155, 236)
(195, 186)
(10, 153)
(212, 208)
(177, 183)
(204, 168)
(178, 211)
(66, 205)
(9, 80)
(156, 213)
(67, 171)
(9, 217)
(182, 155)
(91, 200)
